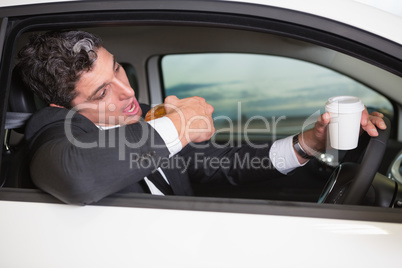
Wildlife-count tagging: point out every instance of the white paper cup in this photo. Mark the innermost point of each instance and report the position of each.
(344, 127)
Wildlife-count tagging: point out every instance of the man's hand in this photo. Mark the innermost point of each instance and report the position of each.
(314, 140)
(370, 121)
(192, 118)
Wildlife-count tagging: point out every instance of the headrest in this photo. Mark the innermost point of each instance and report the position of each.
(21, 99)
(21, 104)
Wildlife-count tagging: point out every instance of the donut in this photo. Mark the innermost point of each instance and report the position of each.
(155, 112)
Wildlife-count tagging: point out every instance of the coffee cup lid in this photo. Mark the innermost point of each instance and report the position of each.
(344, 104)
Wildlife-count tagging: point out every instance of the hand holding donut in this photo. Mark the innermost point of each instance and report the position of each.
(192, 117)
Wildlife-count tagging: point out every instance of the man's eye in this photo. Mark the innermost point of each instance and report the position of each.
(102, 94)
(117, 67)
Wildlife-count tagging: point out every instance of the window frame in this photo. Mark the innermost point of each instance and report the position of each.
(75, 15)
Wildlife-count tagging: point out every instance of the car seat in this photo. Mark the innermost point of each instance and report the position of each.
(22, 103)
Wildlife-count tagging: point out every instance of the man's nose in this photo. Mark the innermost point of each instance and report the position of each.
(125, 91)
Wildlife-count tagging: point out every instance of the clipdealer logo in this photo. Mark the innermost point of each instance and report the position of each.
(201, 161)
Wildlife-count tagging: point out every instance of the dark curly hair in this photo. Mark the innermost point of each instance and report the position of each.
(51, 63)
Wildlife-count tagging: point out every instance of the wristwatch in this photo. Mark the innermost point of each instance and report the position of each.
(299, 149)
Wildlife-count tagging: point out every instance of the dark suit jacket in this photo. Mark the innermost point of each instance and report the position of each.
(76, 162)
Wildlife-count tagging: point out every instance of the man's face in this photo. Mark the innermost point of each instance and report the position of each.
(104, 93)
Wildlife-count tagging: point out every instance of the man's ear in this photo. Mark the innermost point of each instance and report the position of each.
(54, 105)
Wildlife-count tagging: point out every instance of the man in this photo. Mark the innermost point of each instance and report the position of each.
(106, 147)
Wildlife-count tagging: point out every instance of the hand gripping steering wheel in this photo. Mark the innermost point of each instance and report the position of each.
(349, 182)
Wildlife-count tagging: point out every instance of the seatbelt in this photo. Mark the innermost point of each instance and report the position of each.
(16, 120)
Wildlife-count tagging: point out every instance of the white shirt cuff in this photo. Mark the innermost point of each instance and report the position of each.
(166, 129)
(283, 156)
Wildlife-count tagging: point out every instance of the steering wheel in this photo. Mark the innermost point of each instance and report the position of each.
(350, 182)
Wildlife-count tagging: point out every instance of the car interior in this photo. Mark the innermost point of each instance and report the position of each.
(140, 46)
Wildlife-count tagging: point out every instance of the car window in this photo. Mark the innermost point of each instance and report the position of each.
(261, 94)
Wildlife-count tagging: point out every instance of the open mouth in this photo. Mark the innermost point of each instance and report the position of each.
(132, 108)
